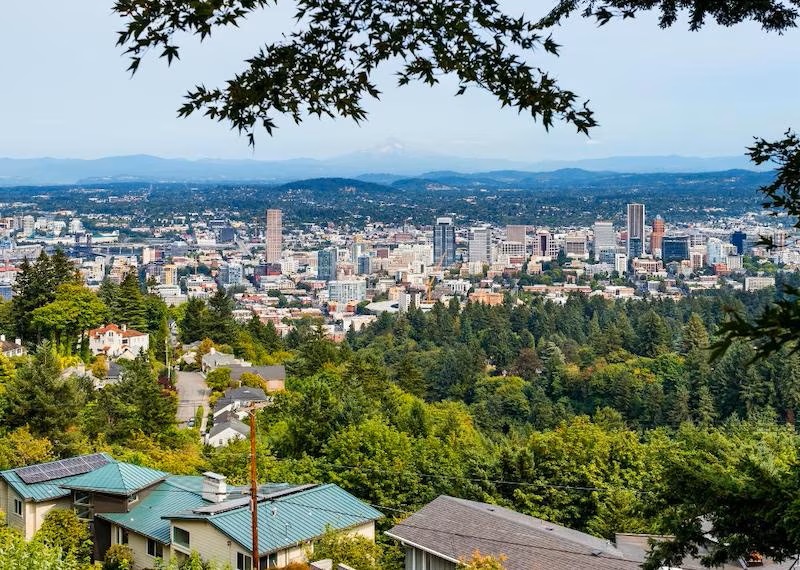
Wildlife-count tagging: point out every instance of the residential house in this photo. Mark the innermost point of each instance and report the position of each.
(118, 342)
(235, 401)
(10, 349)
(159, 515)
(274, 377)
(449, 530)
(214, 359)
(227, 427)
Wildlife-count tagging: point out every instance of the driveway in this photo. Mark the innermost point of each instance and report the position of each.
(192, 393)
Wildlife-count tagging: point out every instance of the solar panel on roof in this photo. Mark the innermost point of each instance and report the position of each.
(60, 469)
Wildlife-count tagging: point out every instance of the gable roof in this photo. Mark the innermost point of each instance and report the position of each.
(246, 394)
(51, 488)
(453, 529)
(176, 493)
(287, 517)
(266, 372)
(117, 479)
(235, 425)
(6, 346)
(127, 333)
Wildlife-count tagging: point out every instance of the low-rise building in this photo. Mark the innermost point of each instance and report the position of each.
(11, 349)
(163, 516)
(756, 283)
(118, 342)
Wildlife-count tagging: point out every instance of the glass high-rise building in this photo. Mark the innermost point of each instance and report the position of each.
(444, 242)
(674, 248)
(739, 239)
(605, 239)
(635, 230)
(480, 244)
(326, 264)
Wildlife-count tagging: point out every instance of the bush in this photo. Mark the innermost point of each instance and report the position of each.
(356, 551)
(118, 557)
(63, 529)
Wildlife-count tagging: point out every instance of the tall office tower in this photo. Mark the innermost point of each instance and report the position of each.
(363, 264)
(675, 248)
(635, 230)
(779, 239)
(274, 236)
(326, 264)
(738, 238)
(517, 234)
(480, 244)
(543, 243)
(657, 235)
(604, 239)
(444, 242)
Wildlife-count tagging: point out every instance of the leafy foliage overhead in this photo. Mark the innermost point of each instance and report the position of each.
(772, 15)
(325, 68)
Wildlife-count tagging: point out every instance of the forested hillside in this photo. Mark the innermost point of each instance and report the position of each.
(604, 416)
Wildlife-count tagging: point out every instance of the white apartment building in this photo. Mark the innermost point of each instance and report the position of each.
(756, 283)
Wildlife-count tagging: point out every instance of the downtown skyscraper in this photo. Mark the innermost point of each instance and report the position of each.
(444, 242)
(274, 236)
(635, 243)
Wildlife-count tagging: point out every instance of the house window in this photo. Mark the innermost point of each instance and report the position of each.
(17, 507)
(180, 537)
(122, 535)
(83, 505)
(243, 562)
(155, 548)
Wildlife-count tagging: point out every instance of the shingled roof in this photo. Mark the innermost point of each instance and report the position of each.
(453, 529)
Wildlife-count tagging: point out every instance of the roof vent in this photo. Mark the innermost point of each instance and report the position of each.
(215, 489)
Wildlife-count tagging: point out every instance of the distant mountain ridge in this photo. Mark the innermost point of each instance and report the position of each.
(384, 166)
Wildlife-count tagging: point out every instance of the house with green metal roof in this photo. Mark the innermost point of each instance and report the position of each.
(159, 515)
(27, 494)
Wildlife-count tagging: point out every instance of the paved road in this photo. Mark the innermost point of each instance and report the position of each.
(192, 392)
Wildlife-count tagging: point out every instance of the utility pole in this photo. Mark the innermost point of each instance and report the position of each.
(253, 488)
(254, 483)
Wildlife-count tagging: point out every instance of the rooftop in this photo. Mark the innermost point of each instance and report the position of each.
(117, 479)
(44, 481)
(289, 516)
(454, 529)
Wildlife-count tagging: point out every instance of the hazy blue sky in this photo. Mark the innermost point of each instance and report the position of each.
(64, 92)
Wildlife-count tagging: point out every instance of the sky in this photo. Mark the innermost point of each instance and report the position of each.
(64, 92)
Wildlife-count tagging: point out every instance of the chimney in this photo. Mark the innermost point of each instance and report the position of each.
(214, 487)
(2, 338)
(124, 328)
(17, 341)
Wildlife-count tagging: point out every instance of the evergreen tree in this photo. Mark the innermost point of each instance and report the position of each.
(220, 323)
(193, 325)
(652, 335)
(695, 335)
(35, 286)
(131, 305)
(39, 397)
